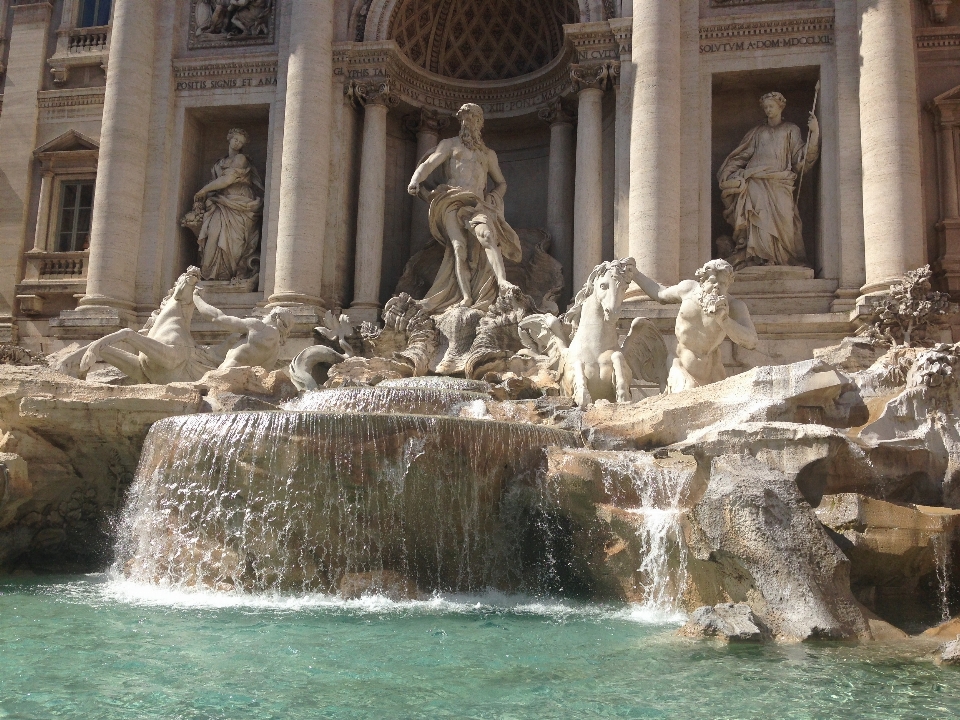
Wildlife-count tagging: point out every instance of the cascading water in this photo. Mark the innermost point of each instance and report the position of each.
(412, 400)
(942, 549)
(658, 488)
(306, 500)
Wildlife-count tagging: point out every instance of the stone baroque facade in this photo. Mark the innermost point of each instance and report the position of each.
(610, 119)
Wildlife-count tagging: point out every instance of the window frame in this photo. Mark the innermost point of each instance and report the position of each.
(97, 6)
(56, 228)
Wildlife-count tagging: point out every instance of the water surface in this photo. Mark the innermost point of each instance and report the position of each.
(92, 647)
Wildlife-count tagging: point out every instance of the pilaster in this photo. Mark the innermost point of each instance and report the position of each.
(18, 139)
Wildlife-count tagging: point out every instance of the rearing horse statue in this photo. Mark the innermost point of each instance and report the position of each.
(166, 351)
(593, 363)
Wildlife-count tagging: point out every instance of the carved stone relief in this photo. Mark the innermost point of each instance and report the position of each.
(222, 23)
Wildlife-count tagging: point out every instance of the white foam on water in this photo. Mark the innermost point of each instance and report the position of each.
(111, 589)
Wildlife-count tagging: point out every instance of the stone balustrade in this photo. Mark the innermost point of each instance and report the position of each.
(88, 39)
(56, 265)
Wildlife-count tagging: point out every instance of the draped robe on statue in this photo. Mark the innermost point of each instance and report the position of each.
(230, 235)
(471, 211)
(757, 183)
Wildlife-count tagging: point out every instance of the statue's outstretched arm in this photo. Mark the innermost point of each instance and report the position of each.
(434, 160)
(739, 326)
(662, 293)
(218, 317)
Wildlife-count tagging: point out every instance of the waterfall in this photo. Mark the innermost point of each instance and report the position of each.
(304, 500)
(943, 551)
(407, 400)
(658, 489)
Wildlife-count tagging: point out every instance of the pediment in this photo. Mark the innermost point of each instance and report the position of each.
(950, 96)
(70, 141)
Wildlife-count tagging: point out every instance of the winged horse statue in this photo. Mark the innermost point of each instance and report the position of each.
(585, 342)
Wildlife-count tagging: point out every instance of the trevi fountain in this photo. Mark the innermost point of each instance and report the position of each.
(478, 358)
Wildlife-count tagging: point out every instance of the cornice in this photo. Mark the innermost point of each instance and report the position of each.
(937, 38)
(381, 60)
(49, 99)
(748, 33)
(186, 69)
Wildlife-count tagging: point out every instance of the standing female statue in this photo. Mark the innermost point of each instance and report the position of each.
(226, 216)
(757, 183)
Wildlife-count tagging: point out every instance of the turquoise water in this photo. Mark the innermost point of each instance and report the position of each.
(94, 648)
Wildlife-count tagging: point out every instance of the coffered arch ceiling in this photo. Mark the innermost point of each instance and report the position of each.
(477, 39)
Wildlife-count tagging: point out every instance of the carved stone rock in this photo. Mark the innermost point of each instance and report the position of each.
(536, 273)
(727, 621)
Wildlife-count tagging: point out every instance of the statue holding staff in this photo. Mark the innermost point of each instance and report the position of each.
(757, 183)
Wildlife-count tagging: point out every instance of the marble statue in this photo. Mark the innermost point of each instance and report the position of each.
(757, 183)
(227, 214)
(263, 338)
(336, 329)
(910, 312)
(594, 364)
(708, 315)
(165, 351)
(467, 219)
(233, 18)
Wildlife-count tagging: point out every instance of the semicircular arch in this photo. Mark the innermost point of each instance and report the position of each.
(377, 22)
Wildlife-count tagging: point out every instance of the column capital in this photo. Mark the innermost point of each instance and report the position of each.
(378, 92)
(426, 120)
(556, 114)
(597, 75)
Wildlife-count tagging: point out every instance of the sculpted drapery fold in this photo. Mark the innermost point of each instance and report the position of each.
(758, 181)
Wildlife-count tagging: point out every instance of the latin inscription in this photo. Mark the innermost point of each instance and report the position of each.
(766, 44)
(220, 83)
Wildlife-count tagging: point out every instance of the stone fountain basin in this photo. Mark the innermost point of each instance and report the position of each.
(306, 500)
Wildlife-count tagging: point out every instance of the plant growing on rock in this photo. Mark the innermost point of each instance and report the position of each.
(909, 312)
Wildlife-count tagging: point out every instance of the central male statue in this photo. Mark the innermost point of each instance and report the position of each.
(467, 219)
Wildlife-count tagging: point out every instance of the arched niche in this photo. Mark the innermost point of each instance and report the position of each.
(375, 15)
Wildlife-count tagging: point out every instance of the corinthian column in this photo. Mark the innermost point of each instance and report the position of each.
(560, 188)
(376, 100)
(655, 139)
(590, 81)
(890, 142)
(122, 166)
(305, 169)
(427, 125)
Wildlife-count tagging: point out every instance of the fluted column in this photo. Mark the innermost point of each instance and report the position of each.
(305, 169)
(655, 148)
(376, 99)
(427, 125)
(890, 142)
(560, 188)
(590, 82)
(122, 167)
